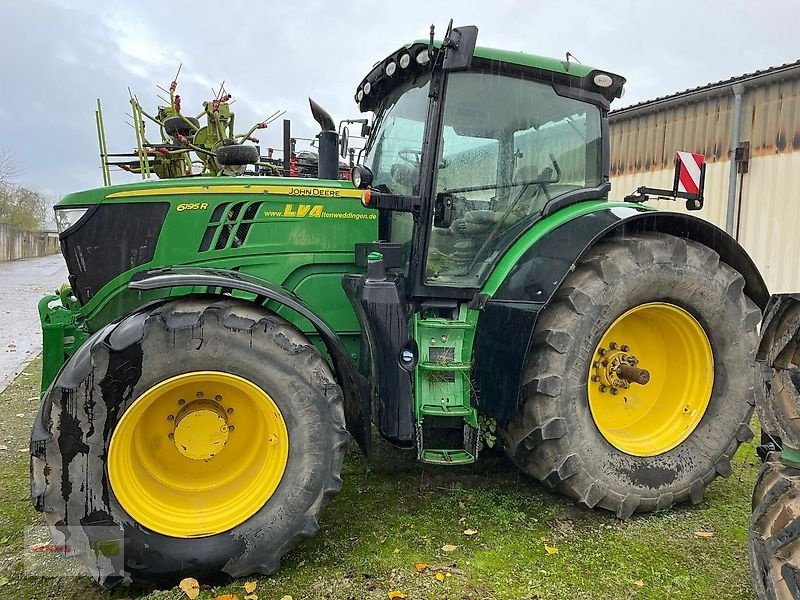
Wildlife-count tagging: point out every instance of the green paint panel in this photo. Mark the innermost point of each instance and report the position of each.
(298, 233)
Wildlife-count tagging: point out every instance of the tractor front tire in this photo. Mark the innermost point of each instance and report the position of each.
(208, 432)
(646, 301)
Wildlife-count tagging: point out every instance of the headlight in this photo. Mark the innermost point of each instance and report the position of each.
(602, 80)
(361, 176)
(67, 217)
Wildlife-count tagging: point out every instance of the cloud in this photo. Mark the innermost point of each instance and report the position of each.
(61, 55)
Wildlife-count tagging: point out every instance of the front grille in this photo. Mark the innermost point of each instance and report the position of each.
(115, 238)
(229, 225)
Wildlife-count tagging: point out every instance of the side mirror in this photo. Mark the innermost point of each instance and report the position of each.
(365, 129)
(459, 46)
(344, 141)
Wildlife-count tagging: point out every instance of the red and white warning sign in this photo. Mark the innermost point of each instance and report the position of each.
(691, 167)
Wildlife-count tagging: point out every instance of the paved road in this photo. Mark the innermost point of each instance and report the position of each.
(22, 283)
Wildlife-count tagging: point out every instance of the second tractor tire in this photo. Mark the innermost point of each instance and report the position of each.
(555, 438)
(774, 538)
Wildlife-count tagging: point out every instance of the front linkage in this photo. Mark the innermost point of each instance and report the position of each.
(63, 332)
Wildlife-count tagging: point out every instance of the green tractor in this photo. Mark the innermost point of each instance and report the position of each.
(221, 338)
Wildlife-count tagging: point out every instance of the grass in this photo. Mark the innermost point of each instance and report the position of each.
(396, 512)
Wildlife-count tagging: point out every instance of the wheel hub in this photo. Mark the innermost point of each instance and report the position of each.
(616, 368)
(201, 429)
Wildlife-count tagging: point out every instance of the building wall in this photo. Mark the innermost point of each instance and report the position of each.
(643, 145)
(16, 244)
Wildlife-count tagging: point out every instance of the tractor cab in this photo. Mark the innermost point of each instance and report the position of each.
(469, 147)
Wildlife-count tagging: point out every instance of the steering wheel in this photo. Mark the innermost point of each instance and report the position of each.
(410, 155)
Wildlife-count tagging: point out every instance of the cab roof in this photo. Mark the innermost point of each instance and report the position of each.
(380, 81)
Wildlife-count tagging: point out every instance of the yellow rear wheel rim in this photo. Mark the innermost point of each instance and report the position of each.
(653, 418)
(198, 454)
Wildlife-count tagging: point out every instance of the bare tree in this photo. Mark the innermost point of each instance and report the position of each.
(22, 207)
(8, 170)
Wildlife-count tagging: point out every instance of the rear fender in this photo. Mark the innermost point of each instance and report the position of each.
(354, 385)
(545, 261)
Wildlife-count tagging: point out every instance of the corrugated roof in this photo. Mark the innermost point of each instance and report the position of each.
(787, 69)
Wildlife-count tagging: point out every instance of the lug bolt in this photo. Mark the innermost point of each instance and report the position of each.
(602, 351)
(596, 365)
(181, 402)
(595, 378)
(170, 418)
(624, 347)
(614, 391)
(218, 398)
(170, 436)
(613, 345)
(231, 427)
(602, 388)
(199, 394)
(605, 363)
(229, 411)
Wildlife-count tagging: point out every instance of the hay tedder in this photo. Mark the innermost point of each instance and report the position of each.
(223, 336)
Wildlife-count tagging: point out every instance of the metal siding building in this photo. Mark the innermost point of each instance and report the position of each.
(765, 203)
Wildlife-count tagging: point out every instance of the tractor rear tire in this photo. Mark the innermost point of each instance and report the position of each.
(175, 126)
(236, 155)
(558, 437)
(774, 539)
(101, 396)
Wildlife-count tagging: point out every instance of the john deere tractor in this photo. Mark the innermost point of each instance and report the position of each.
(221, 338)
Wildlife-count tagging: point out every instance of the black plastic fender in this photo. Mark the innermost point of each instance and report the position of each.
(354, 385)
(499, 358)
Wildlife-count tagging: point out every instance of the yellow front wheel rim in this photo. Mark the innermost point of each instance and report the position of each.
(198, 454)
(668, 367)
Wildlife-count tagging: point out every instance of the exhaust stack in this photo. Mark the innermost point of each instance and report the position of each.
(328, 142)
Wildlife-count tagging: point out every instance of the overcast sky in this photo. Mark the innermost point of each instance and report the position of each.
(57, 57)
